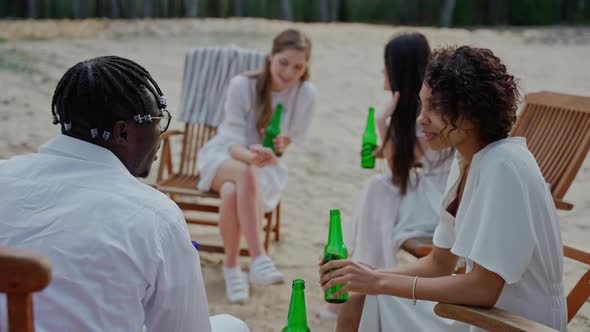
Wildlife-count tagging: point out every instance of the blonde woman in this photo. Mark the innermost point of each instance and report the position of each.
(250, 178)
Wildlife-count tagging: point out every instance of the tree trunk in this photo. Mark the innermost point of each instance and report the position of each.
(157, 8)
(115, 12)
(446, 17)
(323, 10)
(407, 12)
(238, 10)
(130, 9)
(334, 10)
(147, 8)
(190, 8)
(286, 13)
(98, 8)
(32, 11)
(213, 8)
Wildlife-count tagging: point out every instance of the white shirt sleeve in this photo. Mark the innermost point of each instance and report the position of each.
(496, 228)
(304, 113)
(444, 233)
(237, 104)
(177, 300)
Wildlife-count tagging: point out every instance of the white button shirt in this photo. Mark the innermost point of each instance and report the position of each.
(120, 251)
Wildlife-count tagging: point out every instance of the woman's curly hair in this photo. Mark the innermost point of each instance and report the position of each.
(473, 83)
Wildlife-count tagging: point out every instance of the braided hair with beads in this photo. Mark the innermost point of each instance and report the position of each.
(95, 93)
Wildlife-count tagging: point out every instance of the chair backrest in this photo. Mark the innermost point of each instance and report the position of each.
(195, 136)
(556, 127)
(22, 272)
(207, 72)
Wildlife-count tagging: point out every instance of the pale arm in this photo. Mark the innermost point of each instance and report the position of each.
(440, 262)
(480, 287)
(241, 153)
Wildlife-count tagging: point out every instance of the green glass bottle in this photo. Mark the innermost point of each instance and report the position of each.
(297, 319)
(369, 141)
(335, 249)
(274, 128)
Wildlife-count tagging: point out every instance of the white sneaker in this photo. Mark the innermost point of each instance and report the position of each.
(236, 285)
(263, 272)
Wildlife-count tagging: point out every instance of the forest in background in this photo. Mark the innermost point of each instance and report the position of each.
(446, 13)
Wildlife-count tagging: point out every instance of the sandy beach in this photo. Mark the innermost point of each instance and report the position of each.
(325, 173)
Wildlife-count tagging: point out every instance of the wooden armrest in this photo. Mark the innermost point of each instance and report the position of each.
(171, 133)
(493, 319)
(166, 154)
(576, 254)
(418, 247)
(560, 204)
(23, 271)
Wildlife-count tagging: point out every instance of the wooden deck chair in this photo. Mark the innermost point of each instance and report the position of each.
(22, 272)
(555, 126)
(207, 72)
(500, 320)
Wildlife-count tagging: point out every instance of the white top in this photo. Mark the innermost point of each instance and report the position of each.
(507, 223)
(120, 251)
(384, 219)
(239, 127)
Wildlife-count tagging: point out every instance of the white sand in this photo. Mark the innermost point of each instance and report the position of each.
(347, 60)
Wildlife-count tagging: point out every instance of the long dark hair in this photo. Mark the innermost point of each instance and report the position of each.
(406, 57)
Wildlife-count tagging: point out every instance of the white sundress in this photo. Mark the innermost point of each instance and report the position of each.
(239, 127)
(384, 219)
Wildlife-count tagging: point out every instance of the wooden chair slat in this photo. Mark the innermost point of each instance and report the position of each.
(543, 140)
(551, 139)
(530, 129)
(579, 155)
(562, 156)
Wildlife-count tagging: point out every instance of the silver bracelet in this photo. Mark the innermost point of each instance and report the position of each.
(414, 300)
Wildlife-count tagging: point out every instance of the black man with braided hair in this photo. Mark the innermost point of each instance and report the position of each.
(120, 251)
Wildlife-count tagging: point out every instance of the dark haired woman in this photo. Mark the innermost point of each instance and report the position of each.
(403, 203)
(250, 178)
(497, 212)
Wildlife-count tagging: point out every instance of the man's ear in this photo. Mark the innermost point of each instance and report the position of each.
(120, 132)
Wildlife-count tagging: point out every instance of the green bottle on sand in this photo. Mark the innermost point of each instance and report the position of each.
(369, 141)
(297, 319)
(274, 128)
(335, 249)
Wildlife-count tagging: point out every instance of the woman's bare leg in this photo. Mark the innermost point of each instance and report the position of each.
(229, 226)
(243, 176)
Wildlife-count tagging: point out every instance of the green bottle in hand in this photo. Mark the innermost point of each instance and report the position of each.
(297, 319)
(274, 128)
(335, 249)
(369, 141)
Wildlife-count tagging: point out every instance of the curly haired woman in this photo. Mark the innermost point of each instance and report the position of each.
(497, 213)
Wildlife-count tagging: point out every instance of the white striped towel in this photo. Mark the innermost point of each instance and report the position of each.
(207, 71)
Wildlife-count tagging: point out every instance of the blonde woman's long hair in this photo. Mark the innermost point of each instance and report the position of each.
(288, 39)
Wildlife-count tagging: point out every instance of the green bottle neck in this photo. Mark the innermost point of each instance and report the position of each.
(335, 232)
(297, 311)
(370, 127)
(276, 119)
